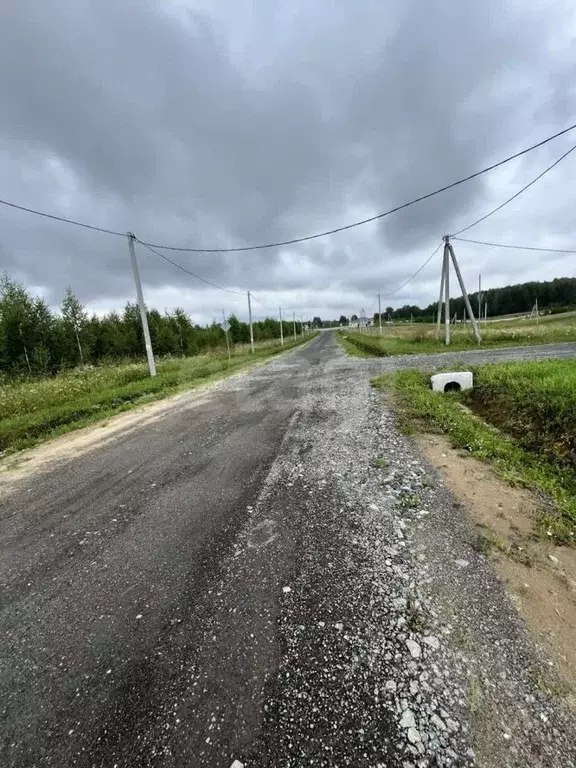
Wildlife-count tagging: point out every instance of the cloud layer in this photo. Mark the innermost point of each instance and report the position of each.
(223, 124)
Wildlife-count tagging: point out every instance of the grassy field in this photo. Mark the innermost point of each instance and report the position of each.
(36, 409)
(522, 419)
(420, 338)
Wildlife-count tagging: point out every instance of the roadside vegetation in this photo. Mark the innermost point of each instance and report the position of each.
(420, 338)
(35, 409)
(520, 417)
(36, 341)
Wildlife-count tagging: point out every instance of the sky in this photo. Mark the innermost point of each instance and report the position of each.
(220, 124)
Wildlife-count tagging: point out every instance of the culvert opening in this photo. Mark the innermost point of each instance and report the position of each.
(452, 386)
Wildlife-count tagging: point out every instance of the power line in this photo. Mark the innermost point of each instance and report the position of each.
(483, 218)
(261, 303)
(428, 260)
(202, 279)
(371, 218)
(516, 247)
(62, 218)
(187, 271)
(298, 239)
(499, 207)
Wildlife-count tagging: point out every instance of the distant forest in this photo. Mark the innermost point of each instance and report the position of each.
(557, 295)
(34, 340)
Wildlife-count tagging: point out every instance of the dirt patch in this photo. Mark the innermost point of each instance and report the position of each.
(540, 577)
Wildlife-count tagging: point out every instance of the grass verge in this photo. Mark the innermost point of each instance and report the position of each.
(36, 410)
(420, 338)
(520, 418)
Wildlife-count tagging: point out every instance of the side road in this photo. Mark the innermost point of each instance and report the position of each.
(240, 579)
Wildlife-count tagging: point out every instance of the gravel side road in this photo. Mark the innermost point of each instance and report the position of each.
(479, 356)
(237, 583)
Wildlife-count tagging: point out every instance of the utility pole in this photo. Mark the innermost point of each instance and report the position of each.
(302, 325)
(475, 325)
(294, 321)
(250, 321)
(446, 290)
(226, 328)
(480, 297)
(78, 342)
(441, 297)
(142, 306)
(25, 349)
(281, 329)
(379, 316)
(537, 313)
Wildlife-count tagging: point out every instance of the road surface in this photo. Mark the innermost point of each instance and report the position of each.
(229, 580)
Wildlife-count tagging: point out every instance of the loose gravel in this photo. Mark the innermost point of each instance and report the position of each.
(337, 614)
(400, 646)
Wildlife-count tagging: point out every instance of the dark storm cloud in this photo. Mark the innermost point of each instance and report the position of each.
(256, 122)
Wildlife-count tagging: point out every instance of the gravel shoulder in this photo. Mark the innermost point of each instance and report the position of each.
(244, 581)
(471, 357)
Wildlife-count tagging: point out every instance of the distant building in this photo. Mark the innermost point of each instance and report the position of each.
(361, 322)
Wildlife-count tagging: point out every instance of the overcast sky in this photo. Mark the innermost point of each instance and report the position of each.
(215, 124)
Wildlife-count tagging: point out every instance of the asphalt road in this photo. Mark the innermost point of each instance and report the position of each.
(146, 585)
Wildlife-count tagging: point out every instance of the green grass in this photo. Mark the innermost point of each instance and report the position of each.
(420, 338)
(526, 428)
(35, 410)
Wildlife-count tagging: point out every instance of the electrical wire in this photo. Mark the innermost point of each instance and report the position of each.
(428, 260)
(208, 282)
(517, 247)
(309, 237)
(499, 207)
(261, 303)
(483, 218)
(187, 271)
(62, 218)
(371, 218)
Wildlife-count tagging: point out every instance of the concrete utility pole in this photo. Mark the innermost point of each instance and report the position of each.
(294, 321)
(475, 325)
(302, 325)
(446, 291)
(281, 329)
(79, 345)
(141, 305)
(480, 297)
(250, 321)
(379, 316)
(441, 297)
(226, 328)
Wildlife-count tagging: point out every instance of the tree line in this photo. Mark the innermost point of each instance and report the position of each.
(34, 340)
(556, 295)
